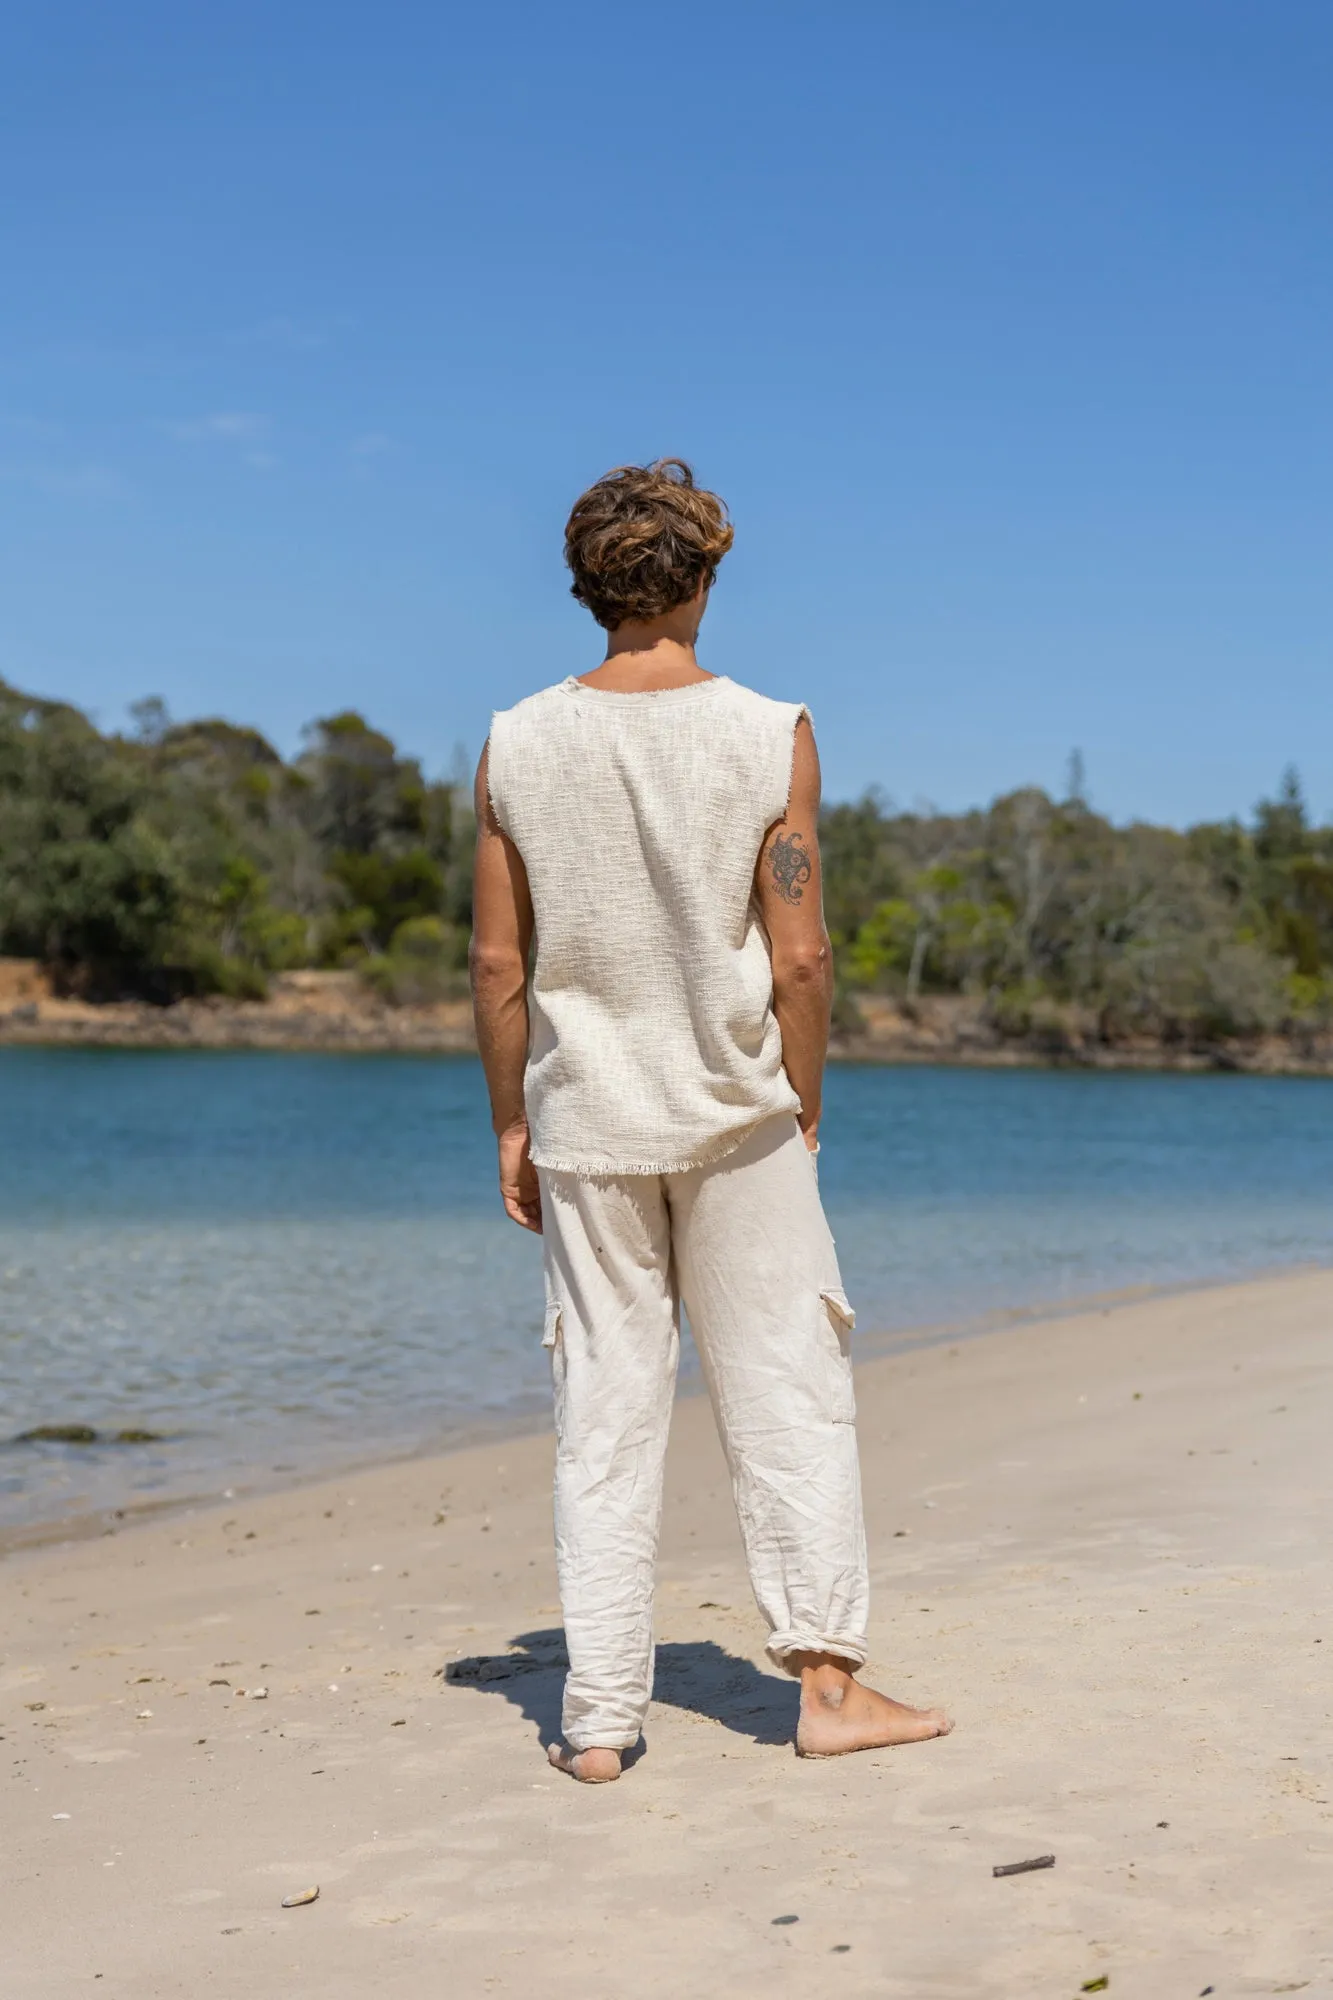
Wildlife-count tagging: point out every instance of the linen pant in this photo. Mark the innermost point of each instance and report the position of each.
(745, 1246)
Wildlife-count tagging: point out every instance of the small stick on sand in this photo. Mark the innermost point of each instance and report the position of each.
(1024, 1867)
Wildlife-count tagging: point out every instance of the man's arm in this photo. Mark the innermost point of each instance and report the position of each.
(790, 891)
(498, 963)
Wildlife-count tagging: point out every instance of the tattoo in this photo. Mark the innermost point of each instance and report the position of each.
(791, 866)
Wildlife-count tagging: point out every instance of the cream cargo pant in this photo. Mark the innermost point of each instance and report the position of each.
(744, 1245)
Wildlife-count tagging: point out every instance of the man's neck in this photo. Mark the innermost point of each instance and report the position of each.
(650, 653)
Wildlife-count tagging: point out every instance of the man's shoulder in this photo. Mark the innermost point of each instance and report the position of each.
(539, 708)
(768, 706)
(532, 706)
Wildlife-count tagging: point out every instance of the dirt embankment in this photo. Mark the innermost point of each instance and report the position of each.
(305, 1010)
(955, 1028)
(334, 1010)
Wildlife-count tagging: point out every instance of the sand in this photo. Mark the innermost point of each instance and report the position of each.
(1102, 1541)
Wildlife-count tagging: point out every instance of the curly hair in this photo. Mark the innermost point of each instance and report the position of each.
(642, 540)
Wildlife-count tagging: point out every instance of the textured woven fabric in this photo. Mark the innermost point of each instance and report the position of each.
(743, 1244)
(640, 818)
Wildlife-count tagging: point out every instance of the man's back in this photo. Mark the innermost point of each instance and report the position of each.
(639, 817)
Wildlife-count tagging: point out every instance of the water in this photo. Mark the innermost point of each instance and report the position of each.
(284, 1262)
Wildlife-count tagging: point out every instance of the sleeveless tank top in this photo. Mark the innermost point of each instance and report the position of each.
(654, 1047)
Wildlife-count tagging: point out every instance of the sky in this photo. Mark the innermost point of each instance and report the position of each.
(1005, 331)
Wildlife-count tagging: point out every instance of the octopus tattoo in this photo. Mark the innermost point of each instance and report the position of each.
(791, 866)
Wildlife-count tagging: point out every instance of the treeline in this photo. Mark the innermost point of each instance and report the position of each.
(189, 858)
(1046, 911)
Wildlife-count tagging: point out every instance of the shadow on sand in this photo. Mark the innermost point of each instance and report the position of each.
(697, 1675)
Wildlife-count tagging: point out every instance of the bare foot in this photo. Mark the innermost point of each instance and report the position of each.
(838, 1714)
(590, 1767)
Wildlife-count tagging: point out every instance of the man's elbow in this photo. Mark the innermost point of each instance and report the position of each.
(803, 965)
(495, 968)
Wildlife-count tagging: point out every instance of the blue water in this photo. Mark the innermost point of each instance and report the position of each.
(293, 1261)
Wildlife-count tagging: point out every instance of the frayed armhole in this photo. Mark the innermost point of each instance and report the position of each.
(494, 784)
(785, 763)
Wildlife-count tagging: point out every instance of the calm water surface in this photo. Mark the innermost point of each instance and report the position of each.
(287, 1261)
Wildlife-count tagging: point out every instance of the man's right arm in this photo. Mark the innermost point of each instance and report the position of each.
(790, 894)
(498, 962)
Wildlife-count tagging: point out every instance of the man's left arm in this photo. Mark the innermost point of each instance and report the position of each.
(498, 964)
(788, 885)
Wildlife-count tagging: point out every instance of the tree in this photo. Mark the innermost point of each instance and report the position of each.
(85, 883)
(191, 857)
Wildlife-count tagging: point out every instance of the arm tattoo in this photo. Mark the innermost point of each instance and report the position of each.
(791, 866)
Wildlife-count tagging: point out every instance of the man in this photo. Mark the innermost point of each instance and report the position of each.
(656, 1100)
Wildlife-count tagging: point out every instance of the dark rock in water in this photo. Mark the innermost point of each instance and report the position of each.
(85, 1434)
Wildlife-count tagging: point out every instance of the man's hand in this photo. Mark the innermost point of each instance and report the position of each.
(519, 1187)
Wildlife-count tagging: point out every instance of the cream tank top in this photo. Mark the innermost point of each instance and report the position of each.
(639, 817)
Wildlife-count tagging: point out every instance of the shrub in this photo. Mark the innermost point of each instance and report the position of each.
(426, 961)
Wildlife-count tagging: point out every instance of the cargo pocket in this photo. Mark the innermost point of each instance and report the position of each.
(838, 1321)
(553, 1341)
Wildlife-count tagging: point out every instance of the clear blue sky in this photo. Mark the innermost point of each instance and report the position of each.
(1005, 331)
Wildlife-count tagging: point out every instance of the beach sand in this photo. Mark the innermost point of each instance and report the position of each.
(1101, 1541)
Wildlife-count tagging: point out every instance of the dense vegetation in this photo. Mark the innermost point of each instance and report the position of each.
(1047, 910)
(189, 858)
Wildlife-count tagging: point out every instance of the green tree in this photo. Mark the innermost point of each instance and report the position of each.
(86, 884)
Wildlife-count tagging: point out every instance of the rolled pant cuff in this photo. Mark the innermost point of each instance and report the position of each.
(585, 1738)
(841, 1644)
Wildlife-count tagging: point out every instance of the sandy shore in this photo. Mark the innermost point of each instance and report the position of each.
(335, 1012)
(1103, 1541)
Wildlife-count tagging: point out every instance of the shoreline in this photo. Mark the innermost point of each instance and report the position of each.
(227, 1036)
(333, 1013)
(871, 1347)
(1103, 1554)
(94, 1523)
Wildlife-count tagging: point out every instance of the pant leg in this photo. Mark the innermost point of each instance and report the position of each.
(759, 1277)
(612, 1326)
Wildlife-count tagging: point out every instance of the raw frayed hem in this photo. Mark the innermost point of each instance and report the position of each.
(783, 1644)
(610, 1170)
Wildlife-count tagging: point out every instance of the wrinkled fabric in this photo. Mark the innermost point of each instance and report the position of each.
(640, 818)
(744, 1245)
